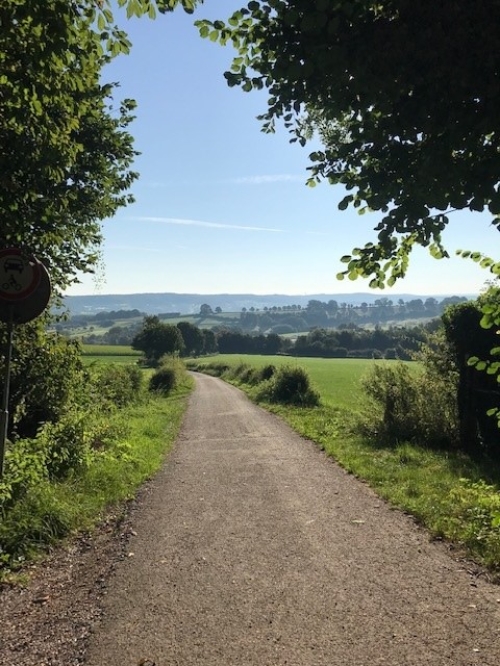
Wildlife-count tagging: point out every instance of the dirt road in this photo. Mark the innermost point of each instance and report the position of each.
(253, 548)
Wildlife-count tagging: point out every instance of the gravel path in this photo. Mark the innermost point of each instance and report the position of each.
(251, 547)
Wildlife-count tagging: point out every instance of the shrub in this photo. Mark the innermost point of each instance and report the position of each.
(66, 445)
(168, 375)
(46, 374)
(290, 386)
(244, 373)
(238, 371)
(24, 468)
(266, 372)
(411, 406)
(111, 386)
(164, 380)
(215, 369)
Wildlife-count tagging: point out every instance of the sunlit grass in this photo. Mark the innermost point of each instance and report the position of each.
(52, 510)
(109, 350)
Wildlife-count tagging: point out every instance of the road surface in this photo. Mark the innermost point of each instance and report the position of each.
(251, 547)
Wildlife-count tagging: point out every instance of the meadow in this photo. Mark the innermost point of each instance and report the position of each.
(338, 380)
(109, 354)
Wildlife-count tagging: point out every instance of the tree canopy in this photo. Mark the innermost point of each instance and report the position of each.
(65, 152)
(156, 339)
(404, 96)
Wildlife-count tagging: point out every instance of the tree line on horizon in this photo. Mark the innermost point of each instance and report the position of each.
(157, 338)
(281, 320)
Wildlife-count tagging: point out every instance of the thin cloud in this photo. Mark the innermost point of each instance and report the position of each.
(156, 184)
(206, 225)
(134, 248)
(276, 178)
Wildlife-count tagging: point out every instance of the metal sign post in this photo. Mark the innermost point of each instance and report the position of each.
(4, 414)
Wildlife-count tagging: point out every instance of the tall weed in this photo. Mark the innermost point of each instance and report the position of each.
(408, 405)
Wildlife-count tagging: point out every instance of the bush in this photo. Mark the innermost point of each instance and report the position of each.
(168, 375)
(290, 386)
(24, 467)
(113, 385)
(266, 372)
(163, 381)
(215, 369)
(66, 445)
(411, 406)
(46, 375)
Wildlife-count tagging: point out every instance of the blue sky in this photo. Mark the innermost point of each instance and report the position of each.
(223, 208)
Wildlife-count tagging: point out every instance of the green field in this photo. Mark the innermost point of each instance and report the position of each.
(109, 353)
(337, 379)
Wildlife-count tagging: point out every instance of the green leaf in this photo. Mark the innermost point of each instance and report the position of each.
(345, 202)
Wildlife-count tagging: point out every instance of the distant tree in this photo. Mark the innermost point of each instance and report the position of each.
(218, 309)
(272, 344)
(192, 337)
(205, 310)
(209, 341)
(315, 305)
(156, 339)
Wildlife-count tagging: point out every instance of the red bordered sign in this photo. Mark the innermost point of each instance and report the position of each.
(20, 275)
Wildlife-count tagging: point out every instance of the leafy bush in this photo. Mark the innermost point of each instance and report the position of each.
(46, 375)
(38, 518)
(408, 405)
(267, 372)
(215, 369)
(474, 518)
(65, 445)
(244, 374)
(290, 386)
(163, 381)
(168, 375)
(24, 468)
(113, 386)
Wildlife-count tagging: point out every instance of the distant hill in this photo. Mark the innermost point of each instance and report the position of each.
(191, 303)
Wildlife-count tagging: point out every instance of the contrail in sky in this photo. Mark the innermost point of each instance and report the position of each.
(277, 178)
(208, 225)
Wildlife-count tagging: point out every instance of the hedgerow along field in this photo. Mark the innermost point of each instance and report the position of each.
(109, 354)
(450, 494)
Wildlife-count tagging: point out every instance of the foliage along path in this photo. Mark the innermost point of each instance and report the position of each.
(252, 548)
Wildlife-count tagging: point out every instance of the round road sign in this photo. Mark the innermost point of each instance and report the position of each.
(22, 311)
(20, 275)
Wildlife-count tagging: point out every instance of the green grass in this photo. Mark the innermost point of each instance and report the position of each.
(51, 511)
(121, 354)
(336, 379)
(109, 350)
(450, 494)
(103, 358)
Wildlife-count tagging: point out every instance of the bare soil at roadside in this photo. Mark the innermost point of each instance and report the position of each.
(252, 547)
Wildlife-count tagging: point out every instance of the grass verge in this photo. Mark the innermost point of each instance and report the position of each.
(51, 511)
